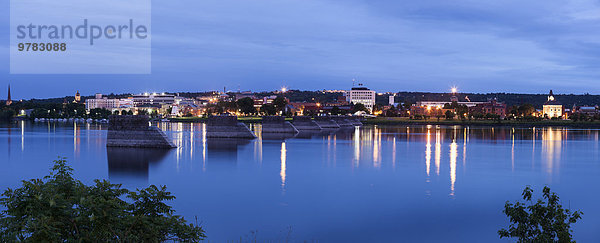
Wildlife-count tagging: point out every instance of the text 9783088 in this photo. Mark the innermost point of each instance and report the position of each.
(42, 46)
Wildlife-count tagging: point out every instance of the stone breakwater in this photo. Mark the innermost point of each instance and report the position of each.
(342, 121)
(356, 121)
(326, 122)
(227, 127)
(135, 132)
(305, 123)
(277, 124)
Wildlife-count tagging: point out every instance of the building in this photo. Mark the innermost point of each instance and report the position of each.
(208, 98)
(552, 108)
(442, 103)
(267, 100)
(77, 97)
(305, 108)
(153, 99)
(428, 111)
(491, 107)
(106, 103)
(245, 94)
(8, 98)
(361, 95)
(588, 110)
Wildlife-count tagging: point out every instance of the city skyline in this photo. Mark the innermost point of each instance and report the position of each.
(283, 89)
(520, 47)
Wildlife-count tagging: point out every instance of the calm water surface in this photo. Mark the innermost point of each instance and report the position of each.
(367, 184)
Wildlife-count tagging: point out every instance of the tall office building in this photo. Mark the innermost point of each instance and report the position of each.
(363, 95)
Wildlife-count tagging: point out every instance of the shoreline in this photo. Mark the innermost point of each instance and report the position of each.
(483, 123)
(404, 121)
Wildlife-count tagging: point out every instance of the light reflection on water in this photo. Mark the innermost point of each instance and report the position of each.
(372, 180)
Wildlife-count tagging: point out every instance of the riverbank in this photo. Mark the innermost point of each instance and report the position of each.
(434, 121)
(515, 123)
(251, 119)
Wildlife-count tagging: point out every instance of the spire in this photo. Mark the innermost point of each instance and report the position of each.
(551, 96)
(77, 97)
(8, 100)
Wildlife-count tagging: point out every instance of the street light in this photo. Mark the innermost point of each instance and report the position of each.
(454, 90)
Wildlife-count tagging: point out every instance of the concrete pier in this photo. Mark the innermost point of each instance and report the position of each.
(227, 127)
(135, 132)
(326, 122)
(305, 123)
(342, 121)
(277, 124)
(355, 121)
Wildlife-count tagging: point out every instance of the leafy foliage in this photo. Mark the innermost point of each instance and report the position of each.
(6, 114)
(542, 221)
(99, 113)
(280, 103)
(449, 115)
(246, 105)
(268, 109)
(59, 208)
(359, 107)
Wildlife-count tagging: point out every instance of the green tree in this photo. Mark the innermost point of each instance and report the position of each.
(514, 110)
(335, 111)
(449, 115)
(406, 106)
(268, 109)
(393, 111)
(438, 114)
(246, 105)
(7, 113)
(99, 113)
(59, 208)
(542, 221)
(73, 110)
(526, 109)
(359, 107)
(280, 104)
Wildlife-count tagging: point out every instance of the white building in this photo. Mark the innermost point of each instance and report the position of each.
(106, 103)
(552, 108)
(442, 103)
(361, 95)
(153, 99)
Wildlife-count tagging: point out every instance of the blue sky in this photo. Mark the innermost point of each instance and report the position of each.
(426, 45)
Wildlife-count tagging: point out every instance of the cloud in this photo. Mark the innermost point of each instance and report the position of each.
(429, 45)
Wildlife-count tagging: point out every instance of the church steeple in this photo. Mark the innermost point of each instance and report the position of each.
(551, 96)
(8, 99)
(77, 97)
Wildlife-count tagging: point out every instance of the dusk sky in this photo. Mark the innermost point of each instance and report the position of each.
(426, 45)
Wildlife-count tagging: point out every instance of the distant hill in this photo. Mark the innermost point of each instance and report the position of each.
(568, 100)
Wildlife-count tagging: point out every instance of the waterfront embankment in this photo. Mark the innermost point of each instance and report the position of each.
(514, 123)
(434, 121)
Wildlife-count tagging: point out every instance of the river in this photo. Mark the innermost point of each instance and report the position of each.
(364, 184)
